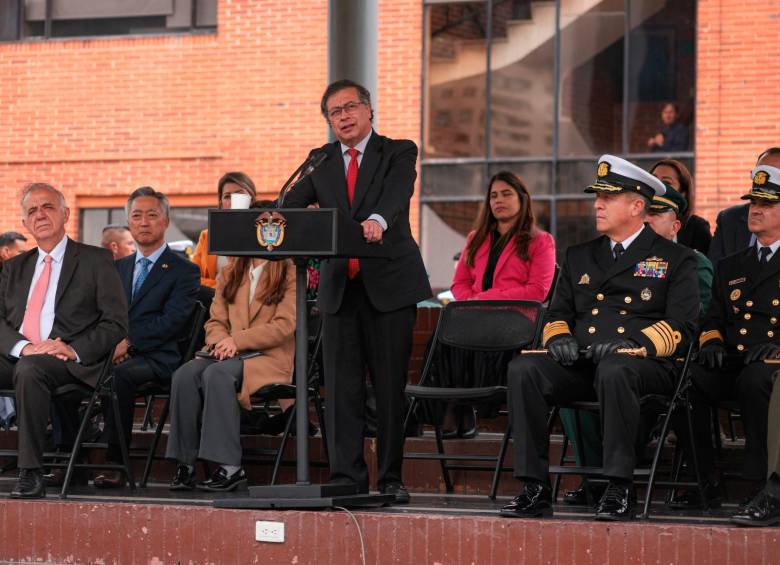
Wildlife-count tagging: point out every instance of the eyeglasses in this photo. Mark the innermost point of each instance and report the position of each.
(349, 108)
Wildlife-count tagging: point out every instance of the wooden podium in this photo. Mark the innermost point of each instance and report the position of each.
(298, 233)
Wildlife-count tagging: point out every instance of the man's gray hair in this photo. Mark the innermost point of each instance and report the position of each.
(40, 186)
(149, 191)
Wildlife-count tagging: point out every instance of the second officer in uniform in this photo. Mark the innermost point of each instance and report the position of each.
(629, 288)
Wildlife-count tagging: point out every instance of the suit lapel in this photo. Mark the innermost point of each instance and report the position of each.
(602, 255)
(159, 269)
(366, 171)
(333, 170)
(761, 273)
(509, 249)
(69, 262)
(22, 289)
(637, 251)
(126, 268)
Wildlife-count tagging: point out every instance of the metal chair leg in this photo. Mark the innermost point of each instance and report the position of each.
(656, 459)
(445, 471)
(155, 442)
(283, 444)
(500, 462)
(122, 442)
(147, 421)
(77, 446)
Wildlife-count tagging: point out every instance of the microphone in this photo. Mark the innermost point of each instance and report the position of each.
(314, 160)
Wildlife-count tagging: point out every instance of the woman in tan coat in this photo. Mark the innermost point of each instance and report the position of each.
(212, 388)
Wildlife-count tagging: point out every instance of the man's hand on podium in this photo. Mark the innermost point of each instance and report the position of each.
(372, 231)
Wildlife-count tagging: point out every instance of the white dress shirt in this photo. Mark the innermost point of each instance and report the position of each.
(47, 312)
(152, 257)
(626, 242)
(772, 248)
(254, 278)
(361, 147)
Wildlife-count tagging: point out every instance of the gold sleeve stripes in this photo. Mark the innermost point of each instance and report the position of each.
(663, 337)
(551, 329)
(709, 336)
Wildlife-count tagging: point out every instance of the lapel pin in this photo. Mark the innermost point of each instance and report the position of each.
(165, 265)
(584, 279)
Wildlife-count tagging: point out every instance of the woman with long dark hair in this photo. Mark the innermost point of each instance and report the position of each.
(230, 183)
(506, 255)
(250, 343)
(695, 231)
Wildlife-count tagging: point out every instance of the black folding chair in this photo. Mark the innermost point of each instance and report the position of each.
(155, 389)
(473, 325)
(663, 407)
(9, 454)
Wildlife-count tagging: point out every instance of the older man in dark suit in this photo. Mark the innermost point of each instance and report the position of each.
(62, 311)
(161, 288)
(368, 305)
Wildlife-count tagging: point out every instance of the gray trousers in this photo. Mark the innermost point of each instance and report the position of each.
(205, 414)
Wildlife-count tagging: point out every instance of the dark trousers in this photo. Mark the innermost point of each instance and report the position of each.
(356, 337)
(33, 378)
(128, 376)
(618, 382)
(751, 387)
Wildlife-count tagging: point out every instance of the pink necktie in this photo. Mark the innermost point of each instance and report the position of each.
(353, 265)
(32, 316)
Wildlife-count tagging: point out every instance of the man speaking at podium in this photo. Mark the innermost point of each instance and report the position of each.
(368, 305)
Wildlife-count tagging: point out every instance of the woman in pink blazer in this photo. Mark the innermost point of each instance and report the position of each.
(506, 257)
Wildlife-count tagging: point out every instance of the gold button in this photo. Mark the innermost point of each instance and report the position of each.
(747, 316)
(624, 312)
(627, 300)
(743, 331)
(776, 302)
(599, 296)
(740, 347)
(749, 303)
(770, 333)
(595, 311)
(773, 320)
(591, 330)
(621, 330)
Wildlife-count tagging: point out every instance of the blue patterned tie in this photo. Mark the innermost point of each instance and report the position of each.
(142, 274)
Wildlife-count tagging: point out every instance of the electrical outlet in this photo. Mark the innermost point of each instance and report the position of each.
(269, 531)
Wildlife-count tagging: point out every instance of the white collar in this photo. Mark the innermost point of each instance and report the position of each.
(772, 246)
(57, 253)
(361, 147)
(628, 241)
(153, 256)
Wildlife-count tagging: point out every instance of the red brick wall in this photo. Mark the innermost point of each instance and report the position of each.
(101, 117)
(738, 96)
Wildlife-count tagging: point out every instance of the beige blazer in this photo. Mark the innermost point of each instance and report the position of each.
(256, 326)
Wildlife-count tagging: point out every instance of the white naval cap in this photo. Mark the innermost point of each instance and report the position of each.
(618, 175)
(766, 184)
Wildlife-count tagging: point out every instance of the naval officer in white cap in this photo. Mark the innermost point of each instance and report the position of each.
(628, 289)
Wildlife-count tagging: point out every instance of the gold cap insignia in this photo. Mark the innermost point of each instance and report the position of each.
(584, 279)
(603, 169)
(760, 178)
(735, 294)
(646, 294)
(165, 265)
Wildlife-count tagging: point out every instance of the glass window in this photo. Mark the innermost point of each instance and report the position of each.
(575, 223)
(661, 75)
(536, 174)
(591, 78)
(521, 78)
(449, 180)
(455, 64)
(186, 224)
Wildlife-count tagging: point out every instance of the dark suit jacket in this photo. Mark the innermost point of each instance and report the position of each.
(731, 233)
(745, 308)
(695, 234)
(649, 295)
(160, 310)
(90, 309)
(384, 186)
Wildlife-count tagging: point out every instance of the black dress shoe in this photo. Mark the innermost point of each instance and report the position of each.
(184, 479)
(220, 482)
(398, 490)
(30, 484)
(579, 496)
(763, 510)
(56, 477)
(110, 479)
(617, 503)
(534, 501)
(690, 499)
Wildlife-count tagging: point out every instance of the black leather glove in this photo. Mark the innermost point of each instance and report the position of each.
(760, 352)
(712, 355)
(600, 349)
(564, 350)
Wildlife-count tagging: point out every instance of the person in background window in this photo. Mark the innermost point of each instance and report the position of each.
(11, 244)
(695, 231)
(229, 184)
(506, 257)
(118, 240)
(673, 135)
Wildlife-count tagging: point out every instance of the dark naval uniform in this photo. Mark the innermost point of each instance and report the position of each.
(650, 296)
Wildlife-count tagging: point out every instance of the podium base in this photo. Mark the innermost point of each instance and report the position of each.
(305, 496)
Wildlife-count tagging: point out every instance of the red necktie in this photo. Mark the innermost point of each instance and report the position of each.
(353, 265)
(32, 317)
